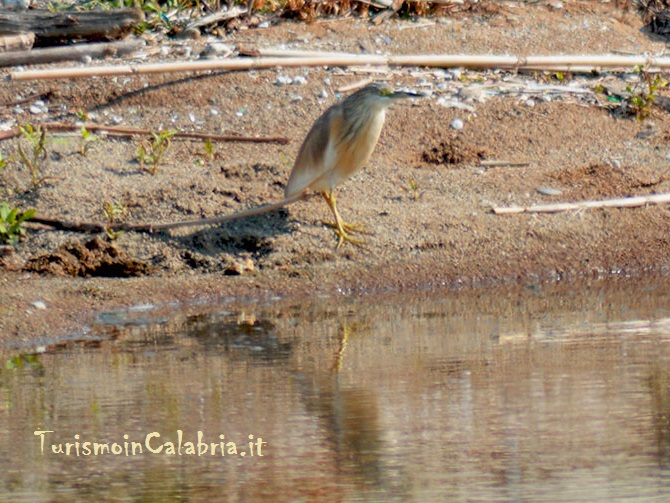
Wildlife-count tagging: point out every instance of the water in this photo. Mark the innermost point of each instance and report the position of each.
(556, 394)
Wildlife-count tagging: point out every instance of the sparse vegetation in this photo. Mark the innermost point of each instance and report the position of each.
(643, 94)
(35, 158)
(114, 211)
(150, 153)
(87, 140)
(412, 189)
(209, 149)
(11, 221)
(158, 12)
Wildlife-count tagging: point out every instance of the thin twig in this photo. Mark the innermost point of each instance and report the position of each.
(623, 202)
(129, 131)
(496, 164)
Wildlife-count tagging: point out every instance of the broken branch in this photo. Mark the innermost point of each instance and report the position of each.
(129, 131)
(70, 53)
(623, 202)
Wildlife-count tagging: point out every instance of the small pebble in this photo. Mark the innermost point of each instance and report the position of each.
(38, 304)
(39, 107)
(299, 80)
(188, 34)
(283, 80)
(142, 308)
(457, 124)
(549, 191)
(216, 49)
(530, 103)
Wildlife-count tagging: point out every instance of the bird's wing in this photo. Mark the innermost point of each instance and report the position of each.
(317, 157)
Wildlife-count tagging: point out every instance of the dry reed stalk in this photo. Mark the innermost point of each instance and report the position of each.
(622, 202)
(548, 63)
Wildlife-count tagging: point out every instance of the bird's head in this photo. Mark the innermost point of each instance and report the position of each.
(382, 94)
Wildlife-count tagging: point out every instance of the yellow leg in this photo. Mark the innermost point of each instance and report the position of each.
(341, 228)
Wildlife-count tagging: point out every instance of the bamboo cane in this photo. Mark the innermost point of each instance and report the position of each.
(566, 63)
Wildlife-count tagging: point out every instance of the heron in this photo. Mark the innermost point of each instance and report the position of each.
(338, 145)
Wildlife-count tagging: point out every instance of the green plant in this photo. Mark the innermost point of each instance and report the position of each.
(209, 149)
(87, 140)
(11, 221)
(151, 152)
(36, 157)
(158, 12)
(113, 211)
(643, 94)
(412, 189)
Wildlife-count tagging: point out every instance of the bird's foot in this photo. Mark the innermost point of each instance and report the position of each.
(343, 236)
(342, 232)
(352, 228)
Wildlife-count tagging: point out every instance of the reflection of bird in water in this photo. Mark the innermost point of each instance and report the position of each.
(339, 144)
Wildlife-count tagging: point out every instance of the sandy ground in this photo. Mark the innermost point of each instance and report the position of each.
(424, 195)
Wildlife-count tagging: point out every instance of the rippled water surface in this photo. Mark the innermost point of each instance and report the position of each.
(543, 394)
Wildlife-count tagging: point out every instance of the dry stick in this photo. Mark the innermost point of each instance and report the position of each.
(445, 61)
(70, 53)
(68, 25)
(189, 66)
(18, 42)
(624, 202)
(493, 163)
(125, 131)
(92, 227)
(59, 126)
(216, 17)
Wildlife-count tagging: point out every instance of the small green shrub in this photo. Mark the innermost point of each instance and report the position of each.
(150, 153)
(35, 158)
(11, 221)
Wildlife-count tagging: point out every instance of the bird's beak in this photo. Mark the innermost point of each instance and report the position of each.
(398, 95)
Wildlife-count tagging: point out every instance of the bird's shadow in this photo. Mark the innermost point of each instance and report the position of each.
(238, 238)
